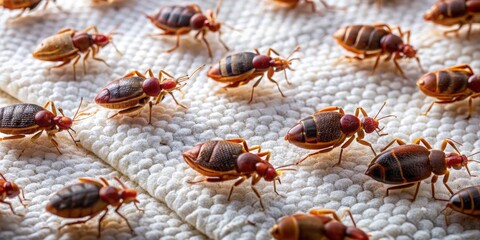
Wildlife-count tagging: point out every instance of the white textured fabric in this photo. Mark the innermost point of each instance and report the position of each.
(150, 155)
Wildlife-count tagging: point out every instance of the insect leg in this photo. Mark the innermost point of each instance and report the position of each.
(54, 142)
(424, 141)
(395, 58)
(451, 143)
(94, 52)
(133, 73)
(255, 180)
(396, 140)
(454, 30)
(408, 185)
(174, 99)
(269, 76)
(445, 180)
(94, 28)
(162, 72)
(253, 88)
(433, 181)
(177, 44)
(222, 42)
(75, 61)
(223, 178)
(89, 180)
(11, 208)
(204, 32)
(129, 111)
(77, 222)
(314, 153)
(100, 222)
(346, 144)
(124, 218)
(470, 102)
(85, 59)
(239, 181)
(12, 137)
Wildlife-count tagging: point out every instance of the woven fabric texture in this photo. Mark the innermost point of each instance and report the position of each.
(149, 155)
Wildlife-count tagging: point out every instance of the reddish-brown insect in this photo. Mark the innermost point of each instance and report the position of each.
(330, 127)
(67, 44)
(311, 3)
(225, 160)
(9, 189)
(317, 224)
(450, 85)
(20, 119)
(453, 12)
(240, 68)
(407, 165)
(24, 5)
(374, 41)
(89, 198)
(466, 201)
(179, 20)
(130, 93)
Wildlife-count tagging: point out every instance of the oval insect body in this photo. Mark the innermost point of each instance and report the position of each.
(330, 127)
(317, 224)
(232, 159)
(406, 165)
(374, 41)
(89, 198)
(466, 201)
(55, 47)
(174, 18)
(453, 12)
(240, 68)
(133, 91)
(450, 85)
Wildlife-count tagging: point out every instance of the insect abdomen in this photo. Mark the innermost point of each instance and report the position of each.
(322, 127)
(402, 164)
(361, 37)
(236, 64)
(453, 9)
(19, 115)
(445, 82)
(310, 227)
(219, 155)
(175, 16)
(467, 201)
(121, 89)
(19, 4)
(78, 200)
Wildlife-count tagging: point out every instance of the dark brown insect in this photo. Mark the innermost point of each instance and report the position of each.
(317, 224)
(130, 93)
(240, 68)
(89, 198)
(9, 189)
(225, 160)
(67, 44)
(466, 201)
(330, 127)
(20, 119)
(374, 41)
(407, 165)
(179, 20)
(311, 3)
(453, 12)
(24, 5)
(450, 85)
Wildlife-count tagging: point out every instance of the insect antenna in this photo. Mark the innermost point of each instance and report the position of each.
(120, 182)
(188, 76)
(109, 35)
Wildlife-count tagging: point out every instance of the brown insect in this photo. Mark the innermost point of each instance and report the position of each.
(130, 93)
(453, 12)
(67, 44)
(311, 3)
(407, 165)
(330, 127)
(374, 41)
(9, 189)
(89, 198)
(24, 5)
(466, 201)
(240, 68)
(232, 159)
(20, 119)
(450, 85)
(317, 224)
(179, 20)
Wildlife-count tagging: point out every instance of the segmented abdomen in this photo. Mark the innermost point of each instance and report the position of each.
(322, 127)
(121, 89)
(19, 115)
(361, 37)
(453, 9)
(19, 4)
(445, 82)
(175, 16)
(219, 155)
(78, 200)
(402, 164)
(236, 64)
(467, 201)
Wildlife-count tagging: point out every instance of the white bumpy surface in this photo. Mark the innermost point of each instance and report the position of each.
(150, 154)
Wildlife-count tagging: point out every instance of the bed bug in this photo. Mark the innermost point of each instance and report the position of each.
(9, 189)
(330, 127)
(408, 164)
(450, 85)
(179, 20)
(368, 41)
(311, 3)
(240, 68)
(20, 119)
(453, 12)
(24, 5)
(317, 224)
(232, 159)
(67, 44)
(466, 201)
(130, 93)
(90, 197)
